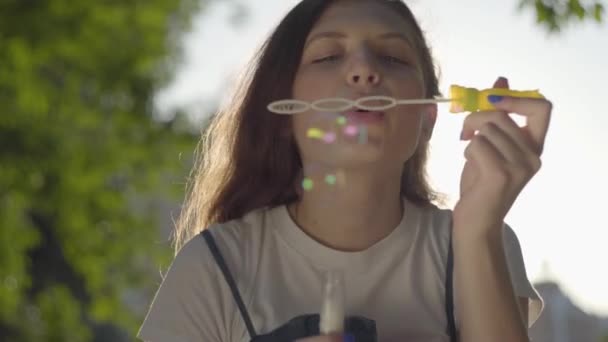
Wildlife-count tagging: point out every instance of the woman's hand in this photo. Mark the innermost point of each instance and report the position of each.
(500, 160)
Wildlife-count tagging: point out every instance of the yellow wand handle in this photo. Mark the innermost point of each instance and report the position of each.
(473, 100)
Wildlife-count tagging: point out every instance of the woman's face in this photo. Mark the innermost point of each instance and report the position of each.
(356, 49)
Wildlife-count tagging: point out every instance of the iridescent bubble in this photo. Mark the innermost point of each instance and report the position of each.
(315, 133)
(329, 137)
(307, 184)
(351, 130)
(330, 179)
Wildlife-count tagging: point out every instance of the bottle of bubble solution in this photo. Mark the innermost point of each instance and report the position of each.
(332, 309)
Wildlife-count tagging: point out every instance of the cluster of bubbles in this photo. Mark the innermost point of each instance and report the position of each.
(329, 137)
(308, 183)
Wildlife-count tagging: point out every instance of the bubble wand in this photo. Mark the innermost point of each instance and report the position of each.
(332, 316)
(462, 100)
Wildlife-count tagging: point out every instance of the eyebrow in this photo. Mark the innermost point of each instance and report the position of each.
(340, 35)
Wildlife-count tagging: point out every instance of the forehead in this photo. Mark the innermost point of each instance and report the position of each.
(350, 16)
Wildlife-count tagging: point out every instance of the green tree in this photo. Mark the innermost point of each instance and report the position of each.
(555, 15)
(82, 160)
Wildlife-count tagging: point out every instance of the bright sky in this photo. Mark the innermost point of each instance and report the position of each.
(558, 218)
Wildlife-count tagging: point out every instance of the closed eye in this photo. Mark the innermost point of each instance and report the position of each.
(331, 58)
(392, 59)
(334, 58)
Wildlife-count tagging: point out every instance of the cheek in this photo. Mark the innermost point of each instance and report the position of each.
(410, 86)
(405, 134)
(298, 130)
(306, 124)
(313, 84)
(300, 126)
(302, 85)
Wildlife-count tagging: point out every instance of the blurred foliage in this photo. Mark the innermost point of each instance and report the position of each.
(555, 15)
(83, 164)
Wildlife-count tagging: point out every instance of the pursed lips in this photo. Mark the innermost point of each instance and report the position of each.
(361, 116)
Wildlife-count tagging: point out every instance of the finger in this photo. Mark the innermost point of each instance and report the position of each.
(504, 144)
(537, 113)
(501, 82)
(517, 153)
(481, 151)
(475, 121)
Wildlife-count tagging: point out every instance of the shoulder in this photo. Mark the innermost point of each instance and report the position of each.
(240, 244)
(429, 227)
(437, 222)
(439, 218)
(241, 237)
(434, 224)
(194, 300)
(237, 242)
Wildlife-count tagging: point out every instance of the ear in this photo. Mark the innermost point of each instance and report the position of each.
(428, 121)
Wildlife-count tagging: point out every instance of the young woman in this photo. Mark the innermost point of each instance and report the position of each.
(253, 243)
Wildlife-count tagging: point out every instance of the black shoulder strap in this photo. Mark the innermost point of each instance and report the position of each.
(449, 294)
(235, 291)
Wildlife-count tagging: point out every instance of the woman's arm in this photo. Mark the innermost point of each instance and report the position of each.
(501, 158)
(488, 306)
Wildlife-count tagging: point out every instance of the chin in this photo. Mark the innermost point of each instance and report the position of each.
(352, 156)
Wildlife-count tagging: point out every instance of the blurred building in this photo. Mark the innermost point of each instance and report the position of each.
(563, 321)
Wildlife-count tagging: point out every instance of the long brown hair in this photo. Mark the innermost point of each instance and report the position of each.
(248, 159)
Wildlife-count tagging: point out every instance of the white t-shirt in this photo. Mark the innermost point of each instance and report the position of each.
(399, 282)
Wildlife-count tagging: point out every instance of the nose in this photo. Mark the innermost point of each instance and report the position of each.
(363, 72)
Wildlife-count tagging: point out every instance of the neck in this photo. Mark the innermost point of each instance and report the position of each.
(352, 216)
